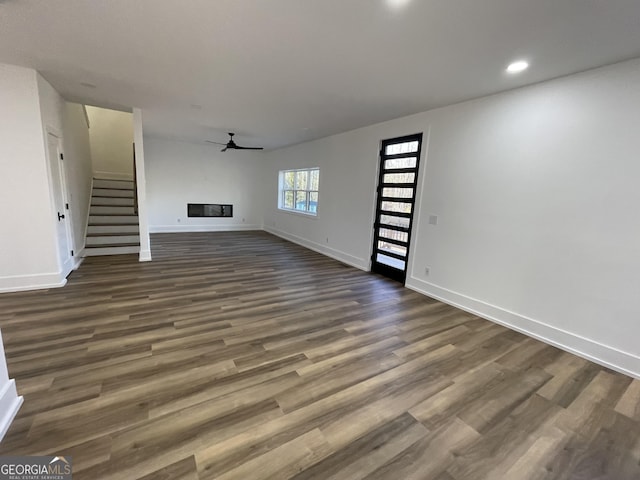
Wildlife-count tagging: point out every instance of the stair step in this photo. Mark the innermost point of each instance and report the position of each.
(110, 192)
(111, 250)
(111, 210)
(113, 184)
(113, 219)
(118, 229)
(106, 201)
(112, 239)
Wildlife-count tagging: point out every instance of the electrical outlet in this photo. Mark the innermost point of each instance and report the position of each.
(327, 239)
(433, 219)
(243, 220)
(427, 271)
(178, 220)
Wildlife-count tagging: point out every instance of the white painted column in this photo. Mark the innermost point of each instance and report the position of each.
(143, 217)
(9, 400)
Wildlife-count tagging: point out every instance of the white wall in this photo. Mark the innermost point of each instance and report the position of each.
(77, 154)
(51, 110)
(28, 254)
(537, 196)
(111, 136)
(348, 166)
(178, 173)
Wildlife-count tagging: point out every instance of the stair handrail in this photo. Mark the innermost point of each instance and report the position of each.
(135, 182)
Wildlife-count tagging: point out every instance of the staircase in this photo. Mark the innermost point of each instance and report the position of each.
(113, 220)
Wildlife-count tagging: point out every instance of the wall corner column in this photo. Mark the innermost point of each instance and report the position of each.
(10, 402)
(143, 219)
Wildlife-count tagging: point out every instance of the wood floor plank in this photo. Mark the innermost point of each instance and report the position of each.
(181, 470)
(368, 453)
(144, 448)
(495, 404)
(430, 456)
(629, 404)
(466, 389)
(281, 462)
(241, 355)
(498, 449)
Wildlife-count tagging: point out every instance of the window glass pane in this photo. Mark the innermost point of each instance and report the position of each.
(301, 200)
(390, 261)
(396, 221)
(390, 247)
(394, 235)
(405, 147)
(299, 189)
(313, 202)
(409, 162)
(397, 192)
(314, 180)
(289, 180)
(302, 178)
(396, 207)
(288, 199)
(398, 178)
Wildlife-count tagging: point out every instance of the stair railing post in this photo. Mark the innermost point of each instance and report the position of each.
(135, 182)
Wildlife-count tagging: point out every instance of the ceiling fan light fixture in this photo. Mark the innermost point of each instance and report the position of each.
(231, 145)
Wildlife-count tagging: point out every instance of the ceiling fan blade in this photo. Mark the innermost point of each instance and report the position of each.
(249, 148)
(224, 149)
(215, 143)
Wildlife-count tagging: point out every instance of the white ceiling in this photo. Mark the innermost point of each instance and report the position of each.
(279, 72)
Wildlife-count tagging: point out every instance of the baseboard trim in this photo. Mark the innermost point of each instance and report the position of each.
(113, 176)
(351, 260)
(605, 355)
(20, 283)
(79, 258)
(68, 266)
(10, 403)
(201, 228)
(144, 256)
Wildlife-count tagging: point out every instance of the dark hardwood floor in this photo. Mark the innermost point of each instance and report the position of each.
(243, 356)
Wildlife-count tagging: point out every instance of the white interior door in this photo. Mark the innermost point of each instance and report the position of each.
(58, 188)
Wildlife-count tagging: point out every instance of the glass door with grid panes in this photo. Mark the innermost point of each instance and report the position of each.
(399, 160)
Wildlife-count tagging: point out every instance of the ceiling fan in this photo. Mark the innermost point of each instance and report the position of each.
(233, 145)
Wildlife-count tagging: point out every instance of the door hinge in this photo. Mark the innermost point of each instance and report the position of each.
(72, 253)
(66, 205)
(61, 156)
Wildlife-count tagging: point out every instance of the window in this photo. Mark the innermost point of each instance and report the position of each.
(298, 190)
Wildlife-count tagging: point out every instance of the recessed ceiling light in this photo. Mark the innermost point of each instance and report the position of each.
(517, 67)
(196, 106)
(397, 3)
(88, 85)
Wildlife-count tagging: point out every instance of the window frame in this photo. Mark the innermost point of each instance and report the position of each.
(282, 191)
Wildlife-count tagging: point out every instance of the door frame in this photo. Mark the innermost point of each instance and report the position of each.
(66, 263)
(375, 266)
